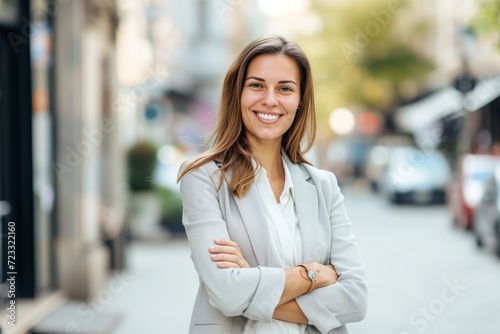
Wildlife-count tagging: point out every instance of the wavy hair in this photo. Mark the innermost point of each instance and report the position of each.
(229, 143)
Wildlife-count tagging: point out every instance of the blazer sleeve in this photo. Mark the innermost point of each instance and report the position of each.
(346, 300)
(251, 292)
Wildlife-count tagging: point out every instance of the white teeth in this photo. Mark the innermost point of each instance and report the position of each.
(268, 117)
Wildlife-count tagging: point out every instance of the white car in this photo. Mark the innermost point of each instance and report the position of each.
(415, 176)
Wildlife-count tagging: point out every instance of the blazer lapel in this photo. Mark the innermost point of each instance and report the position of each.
(255, 222)
(306, 206)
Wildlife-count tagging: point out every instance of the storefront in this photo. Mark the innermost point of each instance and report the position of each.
(16, 159)
(27, 146)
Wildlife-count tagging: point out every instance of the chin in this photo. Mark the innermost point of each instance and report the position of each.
(268, 137)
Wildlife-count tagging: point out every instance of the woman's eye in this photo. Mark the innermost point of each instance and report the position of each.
(286, 89)
(255, 85)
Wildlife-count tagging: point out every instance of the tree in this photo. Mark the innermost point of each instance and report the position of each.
(359, 58)
(487, 20)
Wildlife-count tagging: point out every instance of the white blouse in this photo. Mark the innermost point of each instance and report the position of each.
(286, 243)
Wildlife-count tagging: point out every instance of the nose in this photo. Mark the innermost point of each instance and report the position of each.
(269, 98)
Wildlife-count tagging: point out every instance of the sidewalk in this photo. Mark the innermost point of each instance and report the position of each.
(158, 289)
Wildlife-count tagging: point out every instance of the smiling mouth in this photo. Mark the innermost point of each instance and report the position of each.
(267, 117)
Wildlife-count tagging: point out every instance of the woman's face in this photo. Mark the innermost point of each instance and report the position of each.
(270, 97)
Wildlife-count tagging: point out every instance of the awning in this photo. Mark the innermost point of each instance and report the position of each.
(483, 93)
(418, 115)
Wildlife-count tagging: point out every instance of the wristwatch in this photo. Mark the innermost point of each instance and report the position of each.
(311, 276)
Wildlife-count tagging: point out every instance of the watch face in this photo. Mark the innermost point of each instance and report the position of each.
(311, 274)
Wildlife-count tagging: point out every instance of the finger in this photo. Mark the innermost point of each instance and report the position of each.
(227, 265)
(223, 249)
(226, 258)
(226, 242)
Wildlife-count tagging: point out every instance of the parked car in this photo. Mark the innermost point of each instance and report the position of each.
(487, 215)
(415, 176)
(467, 186)
(378, 157)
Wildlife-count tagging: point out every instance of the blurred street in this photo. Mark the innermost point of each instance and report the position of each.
(101, 102)
(412, 254)
(163, 285)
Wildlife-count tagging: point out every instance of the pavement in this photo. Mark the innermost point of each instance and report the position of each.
(154, 295)
(160, 289)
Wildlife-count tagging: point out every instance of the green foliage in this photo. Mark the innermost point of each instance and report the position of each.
(171, 209)
(398, 63)
(487, 20)
(361, 57)
(141, 160)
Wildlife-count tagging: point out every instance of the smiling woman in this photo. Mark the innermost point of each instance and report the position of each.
(266, 229)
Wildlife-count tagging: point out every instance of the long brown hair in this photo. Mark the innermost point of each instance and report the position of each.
(229, 143)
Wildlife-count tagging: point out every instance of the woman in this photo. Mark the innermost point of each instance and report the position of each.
(268, 232)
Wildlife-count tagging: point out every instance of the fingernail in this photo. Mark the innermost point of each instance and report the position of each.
(217, 240)
(212, 247)
(214, 256)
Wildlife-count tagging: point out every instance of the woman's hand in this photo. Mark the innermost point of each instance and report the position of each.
(325, 274)
(227, 254)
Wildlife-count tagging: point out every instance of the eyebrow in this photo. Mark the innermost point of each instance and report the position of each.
(280, 82)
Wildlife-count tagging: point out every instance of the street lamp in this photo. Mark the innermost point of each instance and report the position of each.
(469, 48)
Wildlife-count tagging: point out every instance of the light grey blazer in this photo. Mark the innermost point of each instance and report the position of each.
(326, 238)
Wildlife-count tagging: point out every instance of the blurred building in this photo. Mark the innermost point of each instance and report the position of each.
(438, 29)
(62, 171)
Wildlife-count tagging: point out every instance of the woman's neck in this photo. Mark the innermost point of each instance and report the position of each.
(269, 157)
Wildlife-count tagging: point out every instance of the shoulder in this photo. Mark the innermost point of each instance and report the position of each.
(325, 182)
(206, 173)
(320, 175)
(308, 171)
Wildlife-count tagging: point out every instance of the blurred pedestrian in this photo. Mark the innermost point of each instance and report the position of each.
(269, 235)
